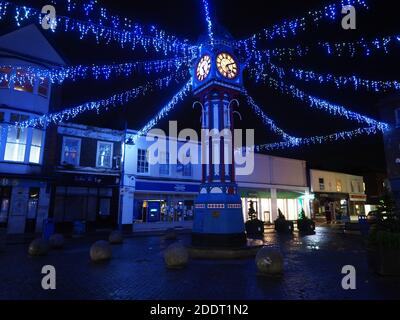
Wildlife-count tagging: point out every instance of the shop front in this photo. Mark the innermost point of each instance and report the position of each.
(164, 202)
(92, 199)
(289, 202)
(24, 205)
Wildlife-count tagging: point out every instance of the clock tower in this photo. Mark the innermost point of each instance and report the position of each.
(217, 82)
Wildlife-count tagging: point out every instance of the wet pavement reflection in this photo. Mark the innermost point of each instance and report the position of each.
(313, 267)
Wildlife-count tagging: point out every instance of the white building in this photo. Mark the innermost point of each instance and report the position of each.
(165, 194)
(24, 192)
(346, 192)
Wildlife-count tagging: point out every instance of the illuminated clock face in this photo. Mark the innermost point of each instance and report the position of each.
(227, 66)
(203, 68)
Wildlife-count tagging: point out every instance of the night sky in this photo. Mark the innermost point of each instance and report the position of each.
(243, 18)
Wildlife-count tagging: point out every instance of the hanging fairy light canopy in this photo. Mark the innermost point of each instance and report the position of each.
(265, 64)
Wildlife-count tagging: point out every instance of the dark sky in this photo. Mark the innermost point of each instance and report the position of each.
(185, 19)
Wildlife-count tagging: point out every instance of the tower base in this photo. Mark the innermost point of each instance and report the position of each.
(218, 221)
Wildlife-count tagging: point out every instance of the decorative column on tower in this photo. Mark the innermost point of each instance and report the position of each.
(218, 208)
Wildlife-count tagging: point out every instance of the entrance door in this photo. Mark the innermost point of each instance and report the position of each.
(31, 215)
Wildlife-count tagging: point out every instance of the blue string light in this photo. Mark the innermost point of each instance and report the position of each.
(266, 120)
(342, 81)
(340, 136)
(103, 104)
(324, 105)
(209, 22)
(292, 27)
(179, 96)
(135, 36)
(60, 74)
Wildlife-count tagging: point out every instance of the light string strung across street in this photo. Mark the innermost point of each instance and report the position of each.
(324, 105)
(260, 73)
(343, 81)
(133, 37)
(318, 103)
(340, 136)
(209, 22)
(267, 120)
(179, 96)
(289, 28)
(113, 101)
(58, 75)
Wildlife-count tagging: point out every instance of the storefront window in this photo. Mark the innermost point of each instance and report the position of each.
(5, 196)
(71, 151)
(142, 161)
(36, 146)
(104, 154)
(5, 73)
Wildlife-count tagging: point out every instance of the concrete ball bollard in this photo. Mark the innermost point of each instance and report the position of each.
(269, 262)
(38, 247)
(100, 251)
(57, 241)
(176, 256)
(116, 237)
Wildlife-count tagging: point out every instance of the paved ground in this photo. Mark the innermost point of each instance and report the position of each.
(312, 271)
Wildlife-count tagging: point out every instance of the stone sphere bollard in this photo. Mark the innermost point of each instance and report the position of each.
(176, 256)
(269, 262)
(57, 241)
(38, 247)
(100, 251)
(170, 235)
(116, 237)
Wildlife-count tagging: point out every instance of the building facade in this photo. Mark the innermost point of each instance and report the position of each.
(86, 178)
(164, 194)
(24, 183)
(338, 193)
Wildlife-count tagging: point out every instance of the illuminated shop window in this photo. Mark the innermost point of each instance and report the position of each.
(5, 73)
(23, 82)
(71, 151)
(43, 87)
(36, 146)
(104, 154)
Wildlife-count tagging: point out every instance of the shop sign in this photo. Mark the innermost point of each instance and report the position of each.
(358, 197)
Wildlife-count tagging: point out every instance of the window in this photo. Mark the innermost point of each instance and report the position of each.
(355, 186)
(16, 144)
(164, 163)
(71, 151)
(142, 161)
(43, 89)
(104, 154)
(5, 73)
(23, 82)
(339, 186)
(321, 184)
(36, 146)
